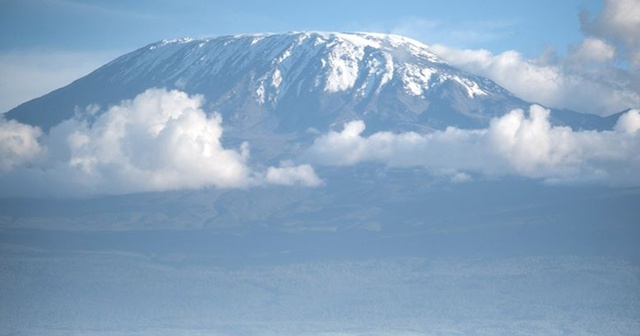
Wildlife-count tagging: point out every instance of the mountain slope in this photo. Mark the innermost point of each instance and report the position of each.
(295, 81)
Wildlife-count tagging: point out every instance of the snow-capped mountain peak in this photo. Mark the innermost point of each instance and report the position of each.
(338, 62)
(293, 81)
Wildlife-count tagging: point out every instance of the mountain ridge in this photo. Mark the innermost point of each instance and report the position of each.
(299, 80)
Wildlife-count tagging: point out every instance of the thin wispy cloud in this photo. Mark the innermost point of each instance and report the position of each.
(454, 33)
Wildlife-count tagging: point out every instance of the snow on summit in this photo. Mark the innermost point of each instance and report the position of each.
(292, 81)
(364, 61)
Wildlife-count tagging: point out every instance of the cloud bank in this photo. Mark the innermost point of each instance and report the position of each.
(600, 75)
(517, 144)
(160, 140)
(163, 140)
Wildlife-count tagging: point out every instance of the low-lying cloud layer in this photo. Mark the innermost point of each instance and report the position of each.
(515, 144)
(161, 140)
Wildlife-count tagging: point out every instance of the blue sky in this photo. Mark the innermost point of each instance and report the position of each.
(496, 25)
(45, 44)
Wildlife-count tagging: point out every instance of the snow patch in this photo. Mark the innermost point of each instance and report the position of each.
(172, 41)
(472, 88)
(260, 94)
(342, 66)
(416, 79)
(276, 78)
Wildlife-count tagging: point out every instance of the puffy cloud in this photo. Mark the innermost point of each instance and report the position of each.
(18, 144)
(160, 140)
(289, 175)
(594, 49)
(516, 144)
(629, 122)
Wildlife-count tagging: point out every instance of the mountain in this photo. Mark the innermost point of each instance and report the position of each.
(295, 81)
(445, 233)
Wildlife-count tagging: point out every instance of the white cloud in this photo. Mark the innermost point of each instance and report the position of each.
(289, 175)
(629, 122)
(515, 144)
(160, 140)
(18, 144)
(579, 87)
(460, 177)
(599, 75)
(594, 49)
(618, 23)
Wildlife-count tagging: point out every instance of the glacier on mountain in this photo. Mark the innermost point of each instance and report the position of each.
(290, 82)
